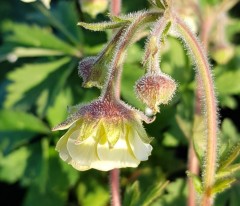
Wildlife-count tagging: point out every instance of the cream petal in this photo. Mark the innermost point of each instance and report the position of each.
(102, 165)
(113, 131)
(61, 146)
(79, 167)
(84, 153)
(140, 149)
(117, 157)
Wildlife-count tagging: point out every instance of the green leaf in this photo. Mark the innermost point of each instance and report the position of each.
(34, 52)
(35, 36)
(55, 189)
(37, 83)
(134, 54)
(222, 185)
(196, 182)
(66, 13)
(205, 3)
(90, 193)
(131, 73)
(101, 26)
(18, 128)
(175, 193)
(230, 157)
(161, 4)
(228, 171)
(132, 194)
(152, 194)
(12, 55)
(229, 197)
(229, 131)
(233, 28)
(228, 101)
(18, 120)
(199, 139)
(184, 125)
(56, 113)
(121, 18)
(36, 171)
(13, 165)
(228, 82)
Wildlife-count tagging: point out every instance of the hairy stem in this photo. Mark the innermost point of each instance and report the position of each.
(115, 173)
(113, 84)
(114, 184)
(154, 44)
(211, 109)
(193, 168)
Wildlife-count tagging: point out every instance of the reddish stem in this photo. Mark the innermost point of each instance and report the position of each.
(114, 184)
(116, 7)
(193, 168)
(115, 173)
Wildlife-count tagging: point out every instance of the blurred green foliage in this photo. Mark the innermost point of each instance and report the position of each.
(39, 54)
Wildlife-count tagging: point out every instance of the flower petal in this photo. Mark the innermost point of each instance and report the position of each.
(140, 149)
(141, 132)
(87, 129)
(79, 167)
(61, 146)
(85, 152)
(113, 132)
(117, 157)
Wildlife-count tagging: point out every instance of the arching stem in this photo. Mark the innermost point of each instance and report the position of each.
(112, 85)
(204, 72)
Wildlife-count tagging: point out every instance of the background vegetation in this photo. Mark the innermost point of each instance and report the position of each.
(39, 54)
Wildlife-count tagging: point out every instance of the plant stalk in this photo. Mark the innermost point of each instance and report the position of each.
(112, 85)
(116, 7)
(115, 173)
(211, 109)
(193, 168)
(114, 185)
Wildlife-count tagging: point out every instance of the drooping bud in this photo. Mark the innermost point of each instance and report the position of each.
(85, 68)
(92, 72)
(155, 89)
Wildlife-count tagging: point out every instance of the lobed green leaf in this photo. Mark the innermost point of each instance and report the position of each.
(102, 26)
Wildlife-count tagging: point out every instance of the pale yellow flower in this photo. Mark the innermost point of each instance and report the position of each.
(104, 135)
(45, 2)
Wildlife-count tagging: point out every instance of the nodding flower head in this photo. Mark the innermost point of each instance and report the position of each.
(85, 67)
(104, 135)
(93, 71)
(154, 89)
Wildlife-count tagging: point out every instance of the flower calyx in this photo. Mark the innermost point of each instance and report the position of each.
(104, 135)
(155, 88)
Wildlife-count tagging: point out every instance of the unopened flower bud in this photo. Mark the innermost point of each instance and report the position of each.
(85, 68)
(155, 89)
(222, 53)
(92, 72)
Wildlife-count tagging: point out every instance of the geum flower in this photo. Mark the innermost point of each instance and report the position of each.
(104, 135)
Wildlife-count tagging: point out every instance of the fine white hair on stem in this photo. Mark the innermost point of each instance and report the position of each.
(124, 41)
(151, 55)
(200, 58)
